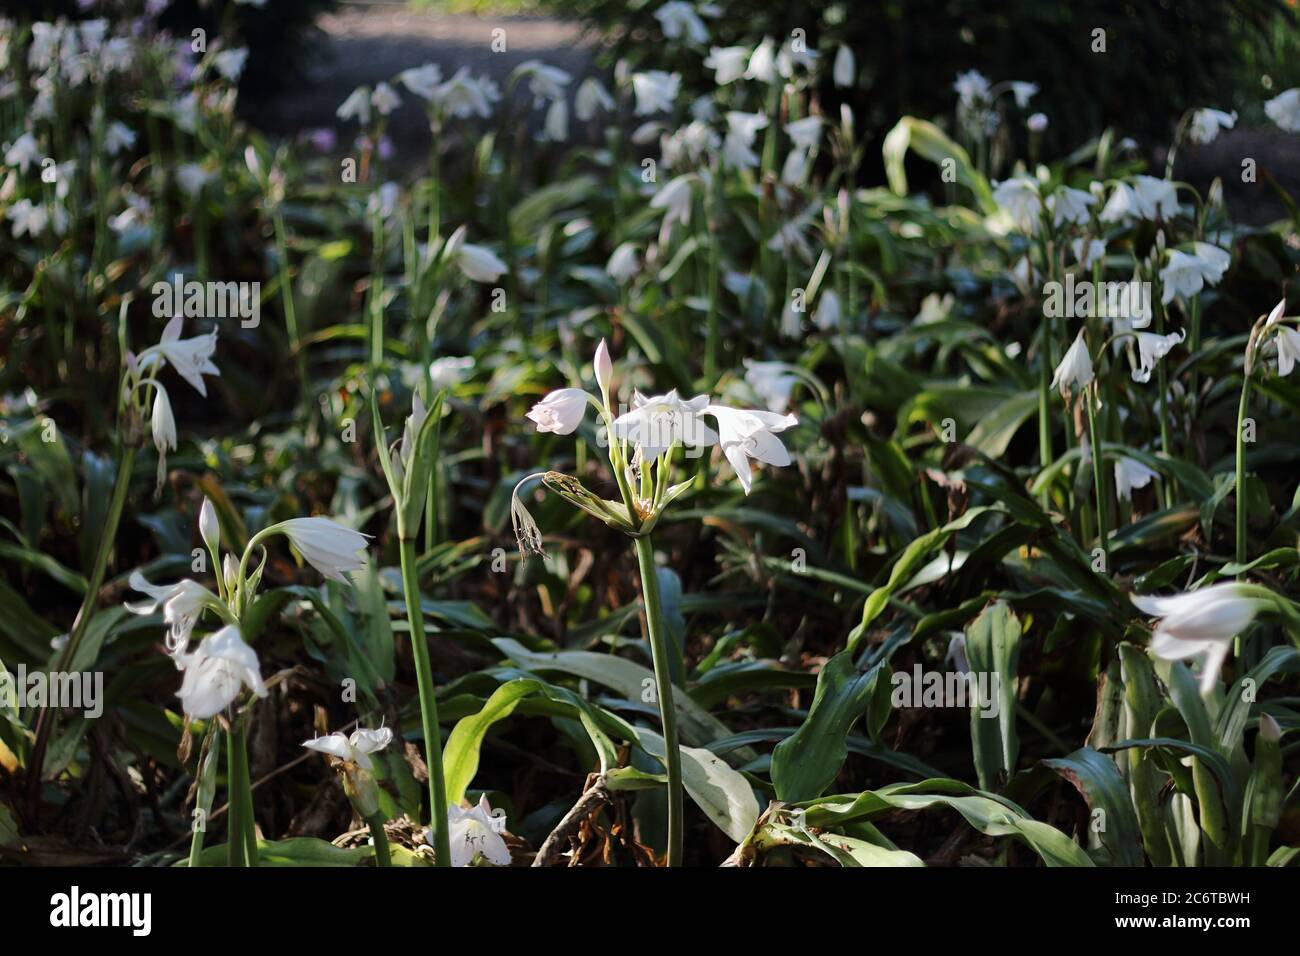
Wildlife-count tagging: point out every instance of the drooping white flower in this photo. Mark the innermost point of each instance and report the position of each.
(737, 148)
(1088, 251)
(971, 87)
(1036, 123)
(230, 63)
(1156, 198)
(1123, 205)
(192, 177)
(118, 137)
(464, 96)
(23, 152)
(182, 604)
(1200, 624)
(1152, 347)
(762, 62)
(1075, 368)
(356, 106)
(729, 63)
(329, 547)
(590, 99)
(478, 263)
(1288, 349)
(748, 433)
(28, 218)
(162, 424)
(805, 133)
(657, 423)
(678, 19)
(192, 357)
(1129, 474)
(1284, 110)
(1206, 123)
(1023, 91)
(474, 832)
(675, 197)
(827, 316)
(1186, 274)
(623, 263)
(216, 672)
(655, 91)
(845, 68)
(545, 82)
(384, 99)
(773, 382)
(1069, 206)
(355, 749)
(1020, 199)
(556, 126)
(560, 412)
(421, 81)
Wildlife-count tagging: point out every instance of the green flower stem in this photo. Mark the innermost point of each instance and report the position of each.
(428, 705)
(46, 720)
(664, 691)
(235, 846)
(1099, 485)
(383, 856)
(711, 207)
(1044, 411)
(1239, 488)
(286, 292)
(376, 290)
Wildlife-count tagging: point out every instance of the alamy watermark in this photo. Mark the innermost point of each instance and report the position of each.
(208, 300)
(922, 688)
(78, 690)
(1084, 298)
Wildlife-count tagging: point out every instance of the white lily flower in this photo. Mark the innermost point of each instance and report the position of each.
(545, 82)
(162, 423)
(1023, 91)
(464, 96)
(192, 357)
(384, 99)
(28, 218)
(182, 605)
(216, 672)
(1156, 198)
(560, 412)
(1200, 624)
(762, 62)
(748, 433)
(1036, 123)
(1284, 110)
(118, 137)
(657, 423)
(729, 63)
(1152, 347)
(845, 68)
(805, 133)
(230, 63)
(474, 832)
(827, 316)
(478, 263)
(655, 91)
(737, 148)
(1206, 123)
(590, 99)
(971, 87)
(772, 382)
(1288, 349)
(1186, 274)
(355, 749)
(1069, 206)
(1088, 251)
(623, 264)
(675, 197)
(421, 81)
(1019, 198)
(1129, 474)
(450, 370)
(23, 152)
(1075, 368)
(356, 106)
(556, 126)
(1123, 205)
(678, 19)
(329, 547)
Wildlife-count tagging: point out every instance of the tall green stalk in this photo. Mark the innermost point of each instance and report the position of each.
(235, 847)
(428, 704)
(1240, 487)
(1099, 486)
(383, 856)
(664, 691)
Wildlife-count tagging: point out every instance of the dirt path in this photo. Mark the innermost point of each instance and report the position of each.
(366, 42)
